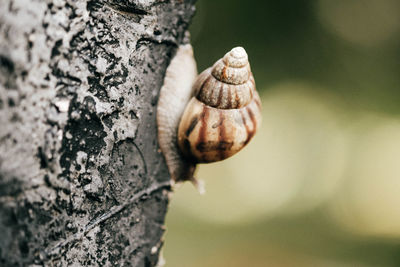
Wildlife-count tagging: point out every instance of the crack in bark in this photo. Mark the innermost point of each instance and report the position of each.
(142, 157)
(45, 255)
(155, 40)
(127, 9)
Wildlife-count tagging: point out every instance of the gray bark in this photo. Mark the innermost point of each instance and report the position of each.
(82, 181)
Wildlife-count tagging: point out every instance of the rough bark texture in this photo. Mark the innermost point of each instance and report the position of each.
(82, 181)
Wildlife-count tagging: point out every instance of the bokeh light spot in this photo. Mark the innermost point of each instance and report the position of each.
(363, 22)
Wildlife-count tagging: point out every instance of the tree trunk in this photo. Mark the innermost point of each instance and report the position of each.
(82, 181)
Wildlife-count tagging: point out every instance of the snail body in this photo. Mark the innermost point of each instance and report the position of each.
(222, 113)
(174, 96)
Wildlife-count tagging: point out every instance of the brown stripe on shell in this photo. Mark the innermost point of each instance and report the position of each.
(253, 82)
(252, 88)
(252, 117)
(224, 76)
(202, 93)
(220, 95)
(237, 100)
(201, 141)
(251, 78)
(222, 144)
(250, 133)
(192, 124)
(229, 97)
(215, 93)
(244, 122)
(258, 102)
(241, 96)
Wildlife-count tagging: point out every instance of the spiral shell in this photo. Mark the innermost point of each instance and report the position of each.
(224, 113)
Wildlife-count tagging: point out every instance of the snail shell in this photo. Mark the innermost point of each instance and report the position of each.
(208, 118)
(225, 112)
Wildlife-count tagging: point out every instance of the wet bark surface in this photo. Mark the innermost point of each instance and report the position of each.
(82, 181)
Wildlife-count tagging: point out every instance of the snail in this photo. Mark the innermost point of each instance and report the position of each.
(209, 117)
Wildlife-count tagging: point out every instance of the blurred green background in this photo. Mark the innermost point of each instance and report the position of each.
(319, 185)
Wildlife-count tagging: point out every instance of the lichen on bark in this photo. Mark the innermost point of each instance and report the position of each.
(82, 181)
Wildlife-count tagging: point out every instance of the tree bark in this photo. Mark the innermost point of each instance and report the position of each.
(82, 181)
